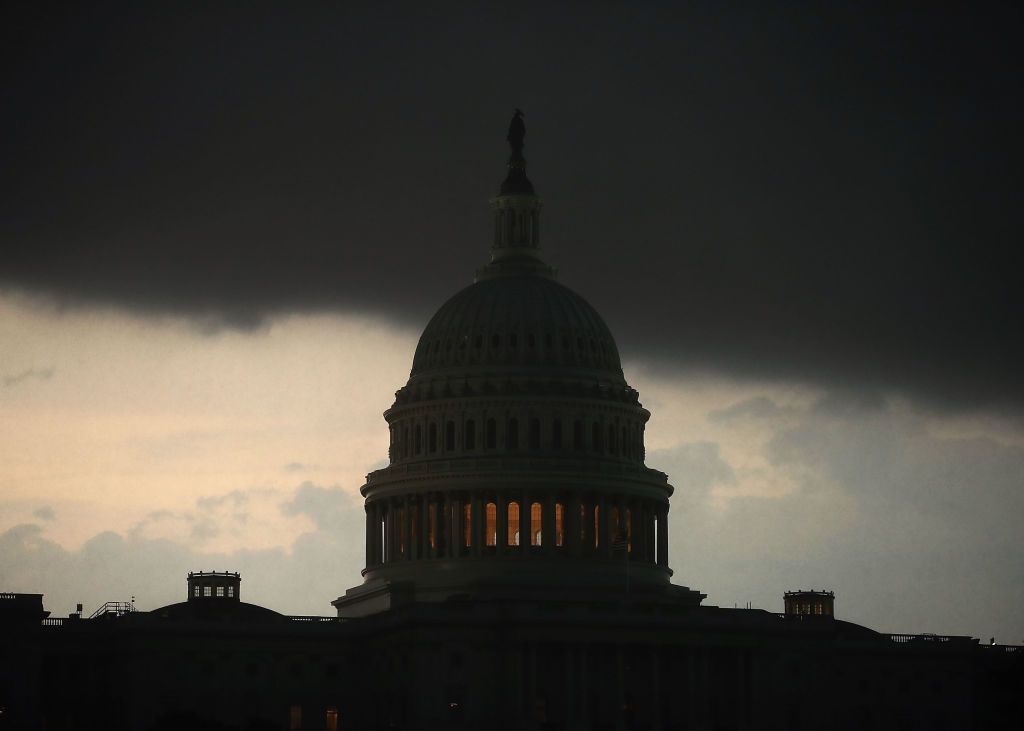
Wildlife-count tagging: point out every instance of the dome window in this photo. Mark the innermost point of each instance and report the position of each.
(512, 435)
(432, 438)
(449, 436)
(535, 524)
(513, 523)
(470, 436)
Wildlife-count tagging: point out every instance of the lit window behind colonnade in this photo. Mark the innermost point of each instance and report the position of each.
(460, 524)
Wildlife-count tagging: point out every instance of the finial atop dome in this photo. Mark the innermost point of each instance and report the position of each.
(516, 182)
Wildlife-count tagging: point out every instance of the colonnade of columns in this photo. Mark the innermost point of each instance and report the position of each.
(463, 523)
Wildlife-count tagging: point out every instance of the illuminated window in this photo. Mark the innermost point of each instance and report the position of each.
(331, 720)
(491, 537)
(513, 523)
(627, 531)
(583, 525)
(195, 591)
(467, 517)
(597, 526)
(231, 591)
(295, 718)
(559, 518)
(220, 591)
(432, 525)
(535, 524)
(207, 591)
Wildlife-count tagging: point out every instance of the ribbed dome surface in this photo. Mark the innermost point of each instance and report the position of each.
(517, 320)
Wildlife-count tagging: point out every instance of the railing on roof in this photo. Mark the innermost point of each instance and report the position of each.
(55, 621)
(313, 619)
(958, 639)
(115, 608)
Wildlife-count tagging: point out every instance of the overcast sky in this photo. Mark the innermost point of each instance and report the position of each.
(223, 226)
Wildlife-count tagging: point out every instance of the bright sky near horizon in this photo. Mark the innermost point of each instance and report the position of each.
(138, 448)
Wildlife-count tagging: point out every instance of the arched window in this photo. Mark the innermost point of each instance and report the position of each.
(467, 522)
(432, 438)
(597, 526)
(449, 436)
(470, 434)
(556, 434)
(596, 441)
(535, 433)
(512, 436)
(535, 524)
(513, 523)
(559, 524)
(491, 533)
(492, 434)
(419, 439)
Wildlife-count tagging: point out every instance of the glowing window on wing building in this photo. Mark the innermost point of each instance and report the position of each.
(559, 521)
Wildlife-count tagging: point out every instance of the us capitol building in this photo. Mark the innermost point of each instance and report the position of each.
(516, 576)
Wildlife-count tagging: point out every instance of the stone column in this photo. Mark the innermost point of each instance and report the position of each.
(663, 536)
(573, 541)
(547, 524)
(476, 529)
(369, 535)
(444, 528)
(604, 539)
(524, 525)
(501, 541)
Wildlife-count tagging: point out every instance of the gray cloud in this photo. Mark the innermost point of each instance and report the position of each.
(45, 512)
(301, 580)
(747, 213)
(331, 508)
(760, 407)
(874, 489)
(41, 374)
(295, 467)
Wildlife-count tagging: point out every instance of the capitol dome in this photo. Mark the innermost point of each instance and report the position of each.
(517, 321)
(516, 455)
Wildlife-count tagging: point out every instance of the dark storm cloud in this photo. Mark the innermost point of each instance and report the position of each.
(827, 193)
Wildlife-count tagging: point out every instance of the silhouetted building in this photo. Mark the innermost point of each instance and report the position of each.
(809, 603)
(516, 575)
